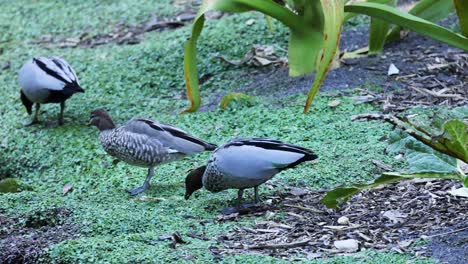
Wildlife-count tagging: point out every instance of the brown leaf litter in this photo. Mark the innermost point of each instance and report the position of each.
(258, 55)
(124, 34)
(387, 218)
(440, 80)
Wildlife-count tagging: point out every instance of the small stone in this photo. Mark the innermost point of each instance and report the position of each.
(298, 191)
(250, 22)
(343, 220)
(348, 245)
(269, 215)
(334, 103)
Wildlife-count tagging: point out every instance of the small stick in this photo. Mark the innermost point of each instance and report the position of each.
(307, 209)
(281, 245)
(447, 233)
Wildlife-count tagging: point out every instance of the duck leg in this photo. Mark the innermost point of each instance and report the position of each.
(35, 119)
(62, 108)
(257, 200)
(239, 197)
(237, 208)
(145, 185)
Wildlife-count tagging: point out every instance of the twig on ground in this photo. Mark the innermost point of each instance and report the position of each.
(446, 233)
(281, 245)
(307, 209)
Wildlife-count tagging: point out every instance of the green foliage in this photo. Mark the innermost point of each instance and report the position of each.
(455, 136)
(314, 26)
(462, 11)
(422, 155)
(9, 185)
(378, 31)
(412, 22)
(144, 80)
(236, 97)
(430, 10)
(340, 195)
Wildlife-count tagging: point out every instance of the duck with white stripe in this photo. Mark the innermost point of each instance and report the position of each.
(47, 80)
(245, 163)
(145, 143)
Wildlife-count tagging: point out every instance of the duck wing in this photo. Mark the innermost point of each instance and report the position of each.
(259, 158)
(169, 136)
(52, 73)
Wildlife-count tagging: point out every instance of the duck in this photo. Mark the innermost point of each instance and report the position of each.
(47, 80)
(245, 163)
(145, 143)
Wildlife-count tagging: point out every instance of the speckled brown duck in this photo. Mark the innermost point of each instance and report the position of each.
(245, 163)
(47, 80)
(145, 143)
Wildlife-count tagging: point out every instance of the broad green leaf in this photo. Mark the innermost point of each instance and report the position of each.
(305, 44)
(423, 159)
(348, 16)
(397, 141)
(340, 195)
(240, 97)
(299, 36)
(378, 32)
(333, 21)
(462, 11)
(9, 185)
(431, 10)
(424, 27)
(466, 182)
(458, 138)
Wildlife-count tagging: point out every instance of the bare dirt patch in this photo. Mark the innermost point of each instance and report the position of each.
(25, 239)
(395, 217)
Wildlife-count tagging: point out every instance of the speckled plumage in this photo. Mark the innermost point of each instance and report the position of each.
(213, 177)
(145, 143)
(136, 149)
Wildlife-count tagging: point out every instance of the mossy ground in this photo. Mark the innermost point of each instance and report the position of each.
(147, 80)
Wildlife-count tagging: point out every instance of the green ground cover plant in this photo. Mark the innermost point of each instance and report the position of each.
(147, 80)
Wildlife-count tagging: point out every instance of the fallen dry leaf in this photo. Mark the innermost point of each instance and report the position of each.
(461, 192)
(259, 55)
(66, 189)
(393, 70)
(334, 103)
(395, 216)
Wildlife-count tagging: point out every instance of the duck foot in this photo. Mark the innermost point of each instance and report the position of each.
(242, 209)
(33, 122)
(138, 190)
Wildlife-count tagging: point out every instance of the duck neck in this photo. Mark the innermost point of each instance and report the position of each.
(106, 124)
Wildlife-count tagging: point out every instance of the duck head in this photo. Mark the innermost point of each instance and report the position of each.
(193, 181)
(101, 119)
